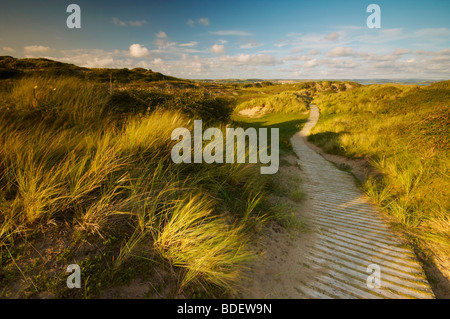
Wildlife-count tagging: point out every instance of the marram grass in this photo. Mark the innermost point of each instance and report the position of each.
(66, 159)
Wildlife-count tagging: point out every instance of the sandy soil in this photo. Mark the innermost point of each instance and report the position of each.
(253, 112)
(281, 252)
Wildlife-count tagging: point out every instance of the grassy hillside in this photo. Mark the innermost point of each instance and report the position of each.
(404, 131)
(86, 177)
(284, 102)
(17, 68)
(286, 107)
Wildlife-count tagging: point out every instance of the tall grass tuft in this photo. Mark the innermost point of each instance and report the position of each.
(191, 237)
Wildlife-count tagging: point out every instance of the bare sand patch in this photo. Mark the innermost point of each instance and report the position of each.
(254, 112)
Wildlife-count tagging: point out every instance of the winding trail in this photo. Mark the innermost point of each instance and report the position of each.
(350, 236)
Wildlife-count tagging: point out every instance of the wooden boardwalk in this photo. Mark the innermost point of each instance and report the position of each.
(352, 238)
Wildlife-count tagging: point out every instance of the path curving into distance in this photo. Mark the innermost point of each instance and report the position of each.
(350, 237)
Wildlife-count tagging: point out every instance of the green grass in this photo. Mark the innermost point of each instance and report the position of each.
(303, 89)
(404, 131)
(284, 102)
(287, 123)
(289, 119)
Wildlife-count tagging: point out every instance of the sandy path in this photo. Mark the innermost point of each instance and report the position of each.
(348, 239)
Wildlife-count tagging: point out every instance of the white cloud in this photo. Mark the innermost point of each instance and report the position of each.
(440, 58)
(341, 51)
(441, 52)
(161, 35)
(380, 35)
(314, 52)
(138, 23)
(36, 49)
(231, 32)
(218, 49)
(96, 58)
(311, 63)
(189, 44)
(203, 21)
(313, 40)
(118, 22)
(341, 63)
(250, 45)
(133, 23)
(297, 58)
(138, 51)
(434, 33)
(8, 49)
(193, 51)
(296, 50)
(400, 51)
(282, 43)
(333, 36)
(163, 42)
(250, 59)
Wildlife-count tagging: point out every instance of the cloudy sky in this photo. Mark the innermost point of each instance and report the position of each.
(237, 39)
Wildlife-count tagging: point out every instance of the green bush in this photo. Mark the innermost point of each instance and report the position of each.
(194, 103)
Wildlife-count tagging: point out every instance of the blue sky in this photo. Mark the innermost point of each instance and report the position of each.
(237, 39)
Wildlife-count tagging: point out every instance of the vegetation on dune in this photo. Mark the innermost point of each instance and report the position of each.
(17, 68)
(95, 166)
(287, 123)
(404, 131)
(286, 111)
(195, 103)
(302, 90)
(86, 175)
(284, 191)
(286, 102)
(80, 170)
(283, 106)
